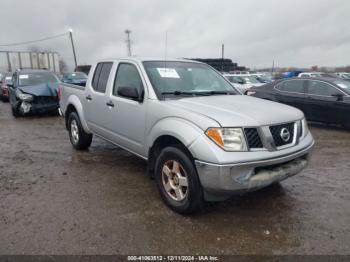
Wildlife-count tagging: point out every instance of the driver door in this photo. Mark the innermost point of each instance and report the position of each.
(127, 117)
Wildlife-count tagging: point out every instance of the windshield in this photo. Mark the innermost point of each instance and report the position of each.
(264, 78)
(235, 79)
(8, 79)
(347, 76)
(344, 85)
(185, 77)
(37, 78)
(251, 80)
(76, 75)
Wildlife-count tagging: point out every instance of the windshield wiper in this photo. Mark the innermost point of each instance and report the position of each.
(177, 93)
(217, 92)
(201, 93)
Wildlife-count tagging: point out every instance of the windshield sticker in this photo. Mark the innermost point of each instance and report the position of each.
(342, 85)
(73, 74)
(23, 76)
(8, 77)
(168, 72)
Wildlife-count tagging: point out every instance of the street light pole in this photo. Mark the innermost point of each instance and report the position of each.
(128, 41)
(73, 48)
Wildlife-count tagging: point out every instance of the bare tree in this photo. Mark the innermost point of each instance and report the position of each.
(63, 65)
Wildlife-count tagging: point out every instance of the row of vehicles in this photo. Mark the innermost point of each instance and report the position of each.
(245, 81)
(32, 91)
(202, 138)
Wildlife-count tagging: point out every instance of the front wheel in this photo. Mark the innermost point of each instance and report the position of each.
(15, 111)
(78, 137)
(178, 182)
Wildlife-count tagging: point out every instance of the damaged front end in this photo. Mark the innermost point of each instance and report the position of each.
(39, 102)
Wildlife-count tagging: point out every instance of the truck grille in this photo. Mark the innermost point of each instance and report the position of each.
(282, 134)
(253, 138)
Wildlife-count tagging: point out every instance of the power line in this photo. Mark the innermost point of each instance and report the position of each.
(34, 41)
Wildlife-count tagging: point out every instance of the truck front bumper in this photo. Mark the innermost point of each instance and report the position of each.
(229, 179)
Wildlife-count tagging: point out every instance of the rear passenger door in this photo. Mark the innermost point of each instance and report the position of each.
(96, 99)
(292, 92)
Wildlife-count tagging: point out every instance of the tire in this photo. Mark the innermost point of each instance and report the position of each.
(79, 139)
(15, 112)
(173, 170)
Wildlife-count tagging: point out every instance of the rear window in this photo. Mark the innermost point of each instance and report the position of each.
(101, 75)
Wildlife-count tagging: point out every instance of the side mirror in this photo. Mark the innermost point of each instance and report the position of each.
(130, 92)
(338, 96)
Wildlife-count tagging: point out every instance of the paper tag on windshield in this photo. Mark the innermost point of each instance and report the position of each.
(168, 72)
(342, 86)
(23, 76)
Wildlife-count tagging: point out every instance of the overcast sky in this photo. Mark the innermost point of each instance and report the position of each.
(293, 33)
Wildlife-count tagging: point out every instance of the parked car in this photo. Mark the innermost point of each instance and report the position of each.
(243, 82)
(4, 90)
(317, 74)
(237, 82)
(289, 74)
(344, 75)
(203, 140)
(264, 78)
(76, 78)
(33, 91)
(321, 99)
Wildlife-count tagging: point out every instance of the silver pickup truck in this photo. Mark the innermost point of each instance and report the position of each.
(203, 140)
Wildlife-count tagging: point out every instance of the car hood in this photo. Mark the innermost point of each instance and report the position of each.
(239, 110)
(47, 89)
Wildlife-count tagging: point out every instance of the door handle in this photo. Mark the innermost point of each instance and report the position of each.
(110, 103)
(88, 97)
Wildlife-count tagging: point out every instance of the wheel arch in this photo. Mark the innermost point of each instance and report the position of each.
(162, 142)
(74, 105)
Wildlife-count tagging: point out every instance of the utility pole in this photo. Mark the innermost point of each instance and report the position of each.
(73, 48)
(128, 41)
(222, 57)
(273, 66)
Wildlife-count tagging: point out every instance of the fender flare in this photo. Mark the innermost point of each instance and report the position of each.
(183, 130)
(75, 102)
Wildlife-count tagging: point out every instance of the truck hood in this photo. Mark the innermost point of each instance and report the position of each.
(47, 89)
(239, 110)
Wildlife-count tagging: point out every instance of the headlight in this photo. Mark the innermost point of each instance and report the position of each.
(25, 97)
(305, 127)
(229, 139)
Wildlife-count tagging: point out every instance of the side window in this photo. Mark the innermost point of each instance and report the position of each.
(100, 79)
(96, 76)
(295, 86)
(102, 82)
(321, 89)
(127, 76)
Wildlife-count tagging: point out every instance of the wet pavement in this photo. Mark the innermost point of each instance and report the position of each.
(55, 200)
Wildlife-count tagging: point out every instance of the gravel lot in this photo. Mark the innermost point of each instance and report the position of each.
(55, 200)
